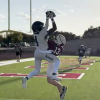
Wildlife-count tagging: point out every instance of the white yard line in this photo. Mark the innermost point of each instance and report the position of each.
(87, 68)
(91, 64)
(14, 61)
(81, 76)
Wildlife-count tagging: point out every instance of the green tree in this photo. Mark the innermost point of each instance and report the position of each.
(1, 38)
(28, 38)
(16, 37)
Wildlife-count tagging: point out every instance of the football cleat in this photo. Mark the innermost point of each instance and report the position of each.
(62, 95)
(24, 82)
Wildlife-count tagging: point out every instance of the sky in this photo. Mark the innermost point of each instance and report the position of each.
(74, 16)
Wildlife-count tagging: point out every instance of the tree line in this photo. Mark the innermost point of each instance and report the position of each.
(21, 37)
(92, 32)
(14, 37)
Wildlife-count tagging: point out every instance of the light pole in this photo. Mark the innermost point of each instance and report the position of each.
(30, 15)
(8, 15)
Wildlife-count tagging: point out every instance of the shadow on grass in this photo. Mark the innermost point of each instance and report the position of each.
(10, 81)
(97, 61)
(62, 70)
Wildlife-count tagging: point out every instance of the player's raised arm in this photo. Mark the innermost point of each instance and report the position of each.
(54, 27)
(47, 22)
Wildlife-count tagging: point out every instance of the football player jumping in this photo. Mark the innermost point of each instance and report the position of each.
(57, 48)
(41, 44)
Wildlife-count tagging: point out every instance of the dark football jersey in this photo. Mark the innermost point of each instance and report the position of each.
(81, 52)
(54, 47)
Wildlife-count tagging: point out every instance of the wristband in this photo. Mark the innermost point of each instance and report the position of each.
(52, 20)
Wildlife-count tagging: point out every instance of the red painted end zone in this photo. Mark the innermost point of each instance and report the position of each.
(64, 75)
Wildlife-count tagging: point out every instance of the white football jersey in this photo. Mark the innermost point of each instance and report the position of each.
(89, 49)
(40, 42)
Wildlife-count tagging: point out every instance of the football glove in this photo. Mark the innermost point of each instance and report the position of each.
(50, 14)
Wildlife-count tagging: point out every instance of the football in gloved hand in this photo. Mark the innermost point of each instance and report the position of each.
(50, 14)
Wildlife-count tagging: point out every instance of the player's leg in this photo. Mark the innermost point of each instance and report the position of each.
(56, 60)
(62, 89)
(49, 74)
(20, 54)
(37, 69)
(17, 56)
(89, 54)
(33, 73)
(37, 64)
(80, 60)
(86, 54)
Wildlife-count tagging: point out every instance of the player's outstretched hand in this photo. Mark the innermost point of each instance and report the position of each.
(50, 14)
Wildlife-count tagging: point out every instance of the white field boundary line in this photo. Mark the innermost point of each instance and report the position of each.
(14, 61)
(87, 68)
(81, 76)
(33, 67)
(27, 67)
(91, 64)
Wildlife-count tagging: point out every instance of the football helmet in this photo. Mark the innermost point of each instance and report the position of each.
(37, 26)
(82, 46)
(60, 40)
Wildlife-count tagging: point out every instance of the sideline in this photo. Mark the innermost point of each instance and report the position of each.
(2, 63)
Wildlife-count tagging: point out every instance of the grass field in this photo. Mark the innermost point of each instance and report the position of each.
(85, 86)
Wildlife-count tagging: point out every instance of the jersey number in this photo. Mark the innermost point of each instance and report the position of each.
(57, 51)
(36, 41)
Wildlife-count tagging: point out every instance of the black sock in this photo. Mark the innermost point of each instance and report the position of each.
(27, 78)
(54, 74)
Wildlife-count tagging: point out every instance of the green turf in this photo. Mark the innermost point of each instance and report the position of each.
(86, 88)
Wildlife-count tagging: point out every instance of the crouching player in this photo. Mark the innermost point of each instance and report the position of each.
(57, 48)
(81, 52)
